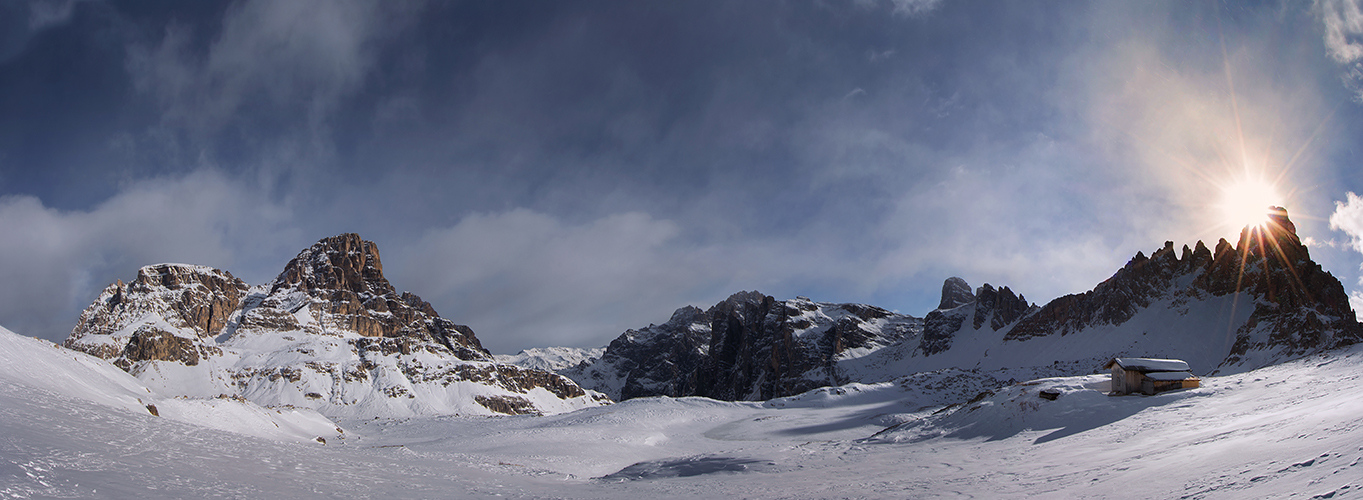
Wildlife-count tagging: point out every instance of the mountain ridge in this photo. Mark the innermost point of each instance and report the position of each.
(1240, 307)
(329, 333)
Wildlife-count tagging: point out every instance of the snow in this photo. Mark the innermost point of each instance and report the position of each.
(1167, 376)
(550, 359)
(38, 367)
(1152, 365)
(72, 426)
(1169, 327)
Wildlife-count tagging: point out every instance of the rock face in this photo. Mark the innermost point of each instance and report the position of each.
(165, 314)
(747, 347)
(328, 333)
(1296, 308)
(1228, 309)
(987, 308)
(340, 282)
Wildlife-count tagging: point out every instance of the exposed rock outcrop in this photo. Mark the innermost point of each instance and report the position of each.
(1298, 307)
(749, 346)
(1228, 308)
(330, 332)
(955, 293)
(988, 308)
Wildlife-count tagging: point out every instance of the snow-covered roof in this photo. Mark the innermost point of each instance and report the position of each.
(1150, 364)
(1168, 376)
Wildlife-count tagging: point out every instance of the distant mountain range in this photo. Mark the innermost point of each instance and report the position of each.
(330, 333)
(1232, 309)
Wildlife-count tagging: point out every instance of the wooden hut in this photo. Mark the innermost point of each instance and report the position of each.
(1150, 376)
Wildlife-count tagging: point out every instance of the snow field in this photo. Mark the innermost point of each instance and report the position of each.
(1287, 431)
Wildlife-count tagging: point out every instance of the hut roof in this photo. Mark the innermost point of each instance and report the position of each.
(1146, 365)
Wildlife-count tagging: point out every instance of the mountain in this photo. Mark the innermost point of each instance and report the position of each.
(1237, 308)
(551, 358)
(749, 346)
(329, 333)
(1296, 308)
(1234, 309)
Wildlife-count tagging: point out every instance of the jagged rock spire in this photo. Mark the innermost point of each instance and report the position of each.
(342, 262)
(955, 293)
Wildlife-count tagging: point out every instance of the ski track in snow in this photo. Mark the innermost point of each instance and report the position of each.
(1291, 430)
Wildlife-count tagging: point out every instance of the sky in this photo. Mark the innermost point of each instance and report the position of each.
(553, 173)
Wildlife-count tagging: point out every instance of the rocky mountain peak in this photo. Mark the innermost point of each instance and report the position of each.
(687, 315)
(1276, 237)
(1297, 306)
(330, 332)
(343, 262)
(955, 293)
(192, 302)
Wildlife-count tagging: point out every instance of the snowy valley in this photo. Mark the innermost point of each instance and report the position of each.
(328, 383)
(1290, 430)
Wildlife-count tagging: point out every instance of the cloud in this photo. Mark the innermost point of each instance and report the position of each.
(1348, 217)
(1343, 20)
(274, 75)
(908, 8)
(1356, 302)
(57, 261)
(524, 278)
(21, 20)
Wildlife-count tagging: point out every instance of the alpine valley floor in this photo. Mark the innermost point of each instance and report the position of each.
(1293, 430)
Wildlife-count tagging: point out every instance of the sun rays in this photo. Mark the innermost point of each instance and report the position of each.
(1246, 202)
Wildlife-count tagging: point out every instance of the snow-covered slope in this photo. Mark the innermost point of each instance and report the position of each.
(551, 358)
(1237, 308)
(330, 333)
(1284, 431)
(37, 366)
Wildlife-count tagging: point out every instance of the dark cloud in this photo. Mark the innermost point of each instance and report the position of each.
(555, 174)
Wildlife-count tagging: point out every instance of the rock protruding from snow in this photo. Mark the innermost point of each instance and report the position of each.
(1229, 309)
(987, 308)
(339, 281)
(165, 314)
(955, 293)
(749, 346)
(42, 365)
(1298, 308)
(330, 333)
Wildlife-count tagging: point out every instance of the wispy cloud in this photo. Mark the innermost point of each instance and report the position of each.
(273, 76)
(1348, 218)
(1343, 22)
(909, 8)
(21, 20)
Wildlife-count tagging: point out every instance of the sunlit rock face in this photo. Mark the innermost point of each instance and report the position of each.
(749, 346)
(170, 312)
(1298, 308)
(340, 282)
(330, 333)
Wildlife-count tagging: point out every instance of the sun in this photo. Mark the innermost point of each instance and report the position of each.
(1246, 201)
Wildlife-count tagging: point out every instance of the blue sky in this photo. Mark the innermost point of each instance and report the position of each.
(553, 173)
